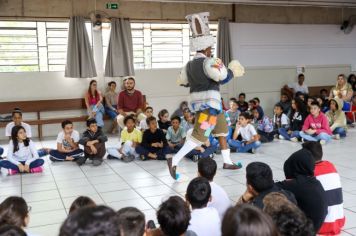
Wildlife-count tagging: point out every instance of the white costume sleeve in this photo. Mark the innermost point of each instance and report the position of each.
(182, 77)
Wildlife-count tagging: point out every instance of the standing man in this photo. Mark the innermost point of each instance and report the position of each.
(130, 102)
(204, 75)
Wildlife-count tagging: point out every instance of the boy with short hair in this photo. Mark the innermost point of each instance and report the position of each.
(220, 200)
(93, 140)
(243, 105)
(250, 139)
(280, 120)
(286, 104)
(175, 135)
(316, 126)
(154, 143)
(148, 113)
(67, 144)
(130, 138)
(327, 174)
(187, 120)
(131, 221)
(205, 221)
(233, 113)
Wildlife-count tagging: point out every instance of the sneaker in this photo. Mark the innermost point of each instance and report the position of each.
(36, 170)
(195, 158)
(294, 139)
(232, 166)
(13, 172)
(142, 157)
(322, 142)
(97, 161)
(281, 137)
(253, 150)
(337, 136)
(52, 159)
(128, 158)
(81, 160)
(110, 157)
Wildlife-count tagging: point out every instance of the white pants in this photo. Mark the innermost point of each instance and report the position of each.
(120, 118)
(127, 150)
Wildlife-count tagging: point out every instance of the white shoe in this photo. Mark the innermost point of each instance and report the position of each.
(337, 136)
(294, 139)
(281, 137)
(322, 142)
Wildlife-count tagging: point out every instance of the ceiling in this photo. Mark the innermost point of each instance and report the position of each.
(325, 3)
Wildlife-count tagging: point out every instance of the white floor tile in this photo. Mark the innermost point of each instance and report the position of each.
(119, 196)
(47, 218)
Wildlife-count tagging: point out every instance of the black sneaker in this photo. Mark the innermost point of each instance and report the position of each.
(195, 158)
(110, 157)
(128, 158)
(81, 160)
(52, 159)
(97, 161)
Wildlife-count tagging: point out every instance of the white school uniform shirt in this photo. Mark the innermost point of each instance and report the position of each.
(205, 222)
(247, 132)
(60, 139)
(10, 125)
(299, 88)
(220, 201)
(25, 154)
(284, 120)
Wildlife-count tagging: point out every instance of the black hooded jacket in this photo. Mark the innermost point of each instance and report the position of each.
(308, 191)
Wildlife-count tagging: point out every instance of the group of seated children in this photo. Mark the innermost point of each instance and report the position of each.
(307, 203)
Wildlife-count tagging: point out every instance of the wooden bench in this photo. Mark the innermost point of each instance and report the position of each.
(40, 106)
(44, 106)
(315, 90)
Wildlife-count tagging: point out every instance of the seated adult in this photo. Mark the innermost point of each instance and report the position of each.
(130, 102)
(299, 86)
(352, 80)
(94, 103)
(342, 90)
(308, 191)
(111, 104)
(259, 181)
(180, 110)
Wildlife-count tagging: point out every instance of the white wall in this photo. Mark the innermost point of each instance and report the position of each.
(270, 54)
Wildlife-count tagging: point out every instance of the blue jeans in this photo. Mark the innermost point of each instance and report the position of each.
(1, 151)
(9, 165)
(314, 137)
(286, 136)
(160, 152)
(242, 147)
(61, 156)
(111, 113)
(340, 131)
(99, 114)
(208, 151)
(175, 149)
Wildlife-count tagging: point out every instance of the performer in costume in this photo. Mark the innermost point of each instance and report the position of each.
(204, 75)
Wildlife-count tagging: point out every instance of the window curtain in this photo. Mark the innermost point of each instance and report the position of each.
(119, 60)
(223, 41)
(80, 60)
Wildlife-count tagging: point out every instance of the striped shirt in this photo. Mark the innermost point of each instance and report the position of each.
(326, 173)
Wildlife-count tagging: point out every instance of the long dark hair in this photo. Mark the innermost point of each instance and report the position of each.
(96, 94)
(13, 211)
(15, 130)
(300, 105)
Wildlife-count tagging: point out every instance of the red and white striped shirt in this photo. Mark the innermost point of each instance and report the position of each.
(326, 173)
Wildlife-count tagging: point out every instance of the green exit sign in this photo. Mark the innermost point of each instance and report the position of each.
(112, 6)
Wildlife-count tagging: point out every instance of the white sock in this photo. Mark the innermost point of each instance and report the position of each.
(226, 155)
(187, 147)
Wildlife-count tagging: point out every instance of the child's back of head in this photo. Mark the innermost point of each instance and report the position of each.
(173, 216)
(207, 168)
(198, 192)
(81, 202)
(131, 221)
(14, 211)
(315, 148)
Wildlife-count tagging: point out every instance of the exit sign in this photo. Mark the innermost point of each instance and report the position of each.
(112, 6)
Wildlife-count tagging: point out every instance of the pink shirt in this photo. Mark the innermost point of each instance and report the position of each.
(319, 123)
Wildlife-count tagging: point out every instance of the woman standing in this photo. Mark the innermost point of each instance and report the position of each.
(93, 102)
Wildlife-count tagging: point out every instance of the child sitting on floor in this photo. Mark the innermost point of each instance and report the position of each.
(130, 138)
(81, 202)
(233, 113)
(22, 156)
(220, 200)
(337, 118)
(205, 150)
(67, 144)
(327, 174)
(175, 135)
(316, 126)
(264, 126)
(148, 113)
(280, 120)
(163, 120)
(154, 143)
(297, 118)
(285, 103)
(187, 120)
(198, 196)
(250, 139)
(93, 140)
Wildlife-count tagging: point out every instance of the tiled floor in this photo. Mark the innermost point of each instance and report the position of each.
(145, 184)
